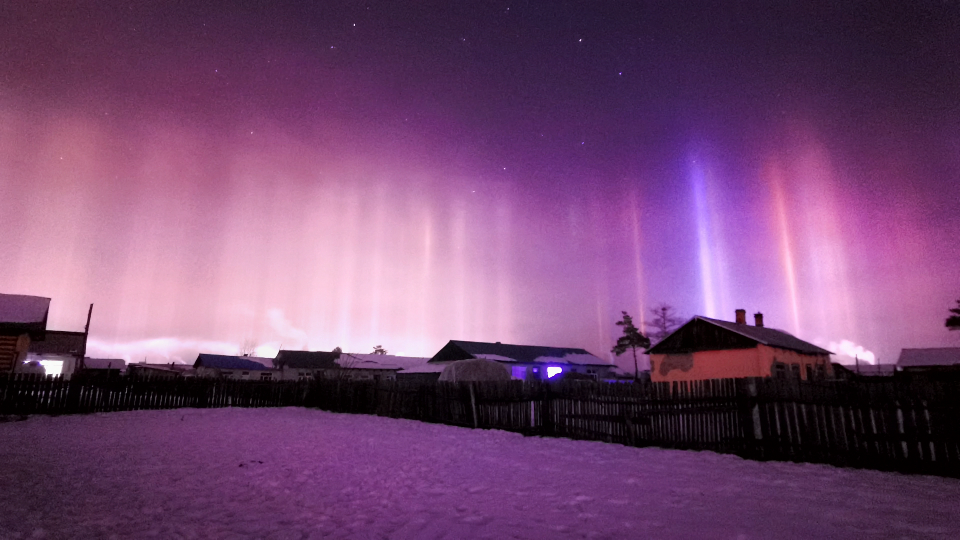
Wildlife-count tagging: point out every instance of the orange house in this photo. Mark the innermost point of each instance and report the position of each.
(706, 348)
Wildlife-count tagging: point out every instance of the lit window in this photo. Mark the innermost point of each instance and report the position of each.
(553, 371)
(52, 367)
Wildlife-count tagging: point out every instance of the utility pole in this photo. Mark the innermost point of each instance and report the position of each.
(86, 335)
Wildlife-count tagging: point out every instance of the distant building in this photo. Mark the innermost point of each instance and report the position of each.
(160, 371)
(424, 372)
(376, 366)
(104, 367)
(235, 367)
(22, 319)
(944, 359)
(305, 365)
(864, 369)
(526, 362)
(706, 348)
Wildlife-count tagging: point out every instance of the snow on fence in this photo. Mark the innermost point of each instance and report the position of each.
(909, 425)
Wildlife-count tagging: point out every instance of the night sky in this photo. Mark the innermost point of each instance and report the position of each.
(360, 173)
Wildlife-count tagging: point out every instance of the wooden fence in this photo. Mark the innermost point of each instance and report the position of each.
(25, 395)
(890, 424)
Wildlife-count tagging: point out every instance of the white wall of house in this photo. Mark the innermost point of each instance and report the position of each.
(300, 374)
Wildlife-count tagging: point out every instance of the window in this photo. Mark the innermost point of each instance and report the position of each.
(245, 373)
(266, 376)
(779, 370)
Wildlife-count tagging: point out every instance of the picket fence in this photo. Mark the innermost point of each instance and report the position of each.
(907, 425)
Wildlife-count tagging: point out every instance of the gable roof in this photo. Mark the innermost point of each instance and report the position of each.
(220, 361)
(692, 337)
(20, 313)
(529, 354)
(307, 359)
(59, 342)
(944, 356)
(379, 361)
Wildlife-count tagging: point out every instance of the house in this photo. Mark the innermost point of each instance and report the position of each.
(22, 319)
(376, 366)
(933, 360)
(527, 362)
(60, 352)
(172, 370)
(248, 368)
(429, 372)
(103, 367)
(862, 369)
(477, 370)
(706, 348)
(305, 365)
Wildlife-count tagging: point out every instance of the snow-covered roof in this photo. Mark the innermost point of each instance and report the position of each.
(379, 361)
(23, 309)
(526, 354)
(944, 356)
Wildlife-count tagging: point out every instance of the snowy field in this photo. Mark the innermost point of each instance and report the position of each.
(296, 473)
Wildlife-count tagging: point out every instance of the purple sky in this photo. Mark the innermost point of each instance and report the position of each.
(353, 174)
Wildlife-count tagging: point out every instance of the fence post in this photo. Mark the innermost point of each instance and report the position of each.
(751, 432)
(546, 414)
(473, 405)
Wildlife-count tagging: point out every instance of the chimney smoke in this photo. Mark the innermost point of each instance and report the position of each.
(758, 319)
(741, 316)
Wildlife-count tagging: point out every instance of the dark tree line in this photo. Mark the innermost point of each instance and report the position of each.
(953, 321)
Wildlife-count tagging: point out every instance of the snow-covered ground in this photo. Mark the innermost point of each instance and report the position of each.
(298, 473)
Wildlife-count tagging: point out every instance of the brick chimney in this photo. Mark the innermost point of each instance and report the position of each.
(758, 319)
(741, 316)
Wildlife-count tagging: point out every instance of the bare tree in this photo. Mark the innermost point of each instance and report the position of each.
(248, 347)
(663, 323)
(378, 349)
